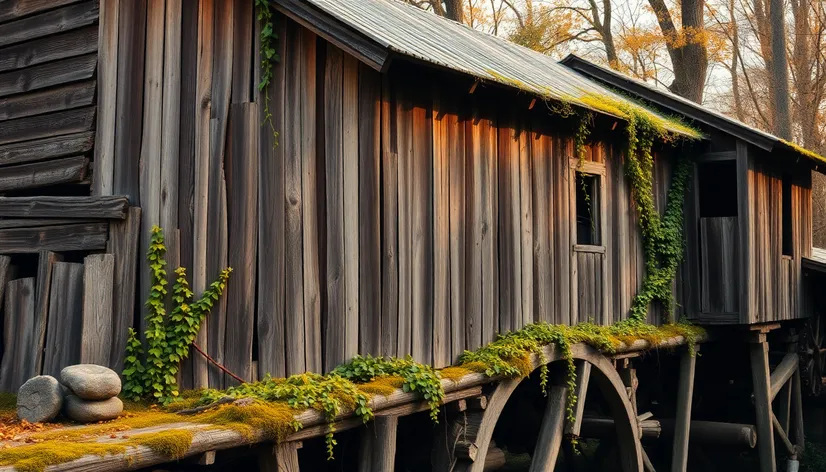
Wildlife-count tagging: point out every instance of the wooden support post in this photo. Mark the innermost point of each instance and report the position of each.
(679, 459)
(583, 377)
(282, 458)
(781, 435)
(378, 445)
(759, 353)
(629, 378)
(797, 429)
(550, 433)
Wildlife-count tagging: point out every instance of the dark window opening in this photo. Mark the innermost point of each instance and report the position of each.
(788, 244)
(587, 209)
(717, 182)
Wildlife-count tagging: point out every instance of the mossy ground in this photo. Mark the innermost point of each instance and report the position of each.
(274, 419)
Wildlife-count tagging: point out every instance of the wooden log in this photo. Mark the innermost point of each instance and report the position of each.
(495, 459)
(48, 75)
(12, 9)
(65, 318)
(550, 433)
(378, 445)
(6, 223)
(96, 330)
(604, 428)
(450, 398)
(170, 116)
(797, 430)
(759, 353)
(782, 373)
(107, 100)
(41, 174)
(282, 458)
(75, 237)
(45, 266)
(44, 126)
(685, 393)
(123, 243)
(60, 46)
(242, 200)
(715, 433)
(47, 148)
(20, 353)
(66, 97)
(64, 207)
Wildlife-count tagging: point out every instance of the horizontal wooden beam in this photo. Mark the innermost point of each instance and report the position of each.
(716, 156)
(6, 223)
(48, 74)
(46, 148)
(51, 22)
(40, 174)
(60, 46)
(65, 97)
(76, 237)
(112, 207)
(418, 407)
(44, 126)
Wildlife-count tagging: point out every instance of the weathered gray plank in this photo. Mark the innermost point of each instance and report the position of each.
(242, 55)
(96, 330)
(550, 433)
(9, 325)
(60, 46)
(404, 138)
(32, 222)
(389, 230)
(283, 458)
(107, 99)
(63, 207)
(441, 238)
(292, 201)
(458, 231)
(40, 149)
(55, 99)
(719, 265)
(43, 126)
(65, 318)
(473, 259)
(421, 227)
(51, 22)
(490, 243)
(48, 75)
(378, 445)
(43, 283)
(336, 325)
(123, 243)
(171, 116)
(350, 148)
(12, 9)
(369, 168)
(242, 201)
(526, 232)
(77, 237)
(271, 350)
(309, 198)
(543, 208)
(20, 352)
(39, 174)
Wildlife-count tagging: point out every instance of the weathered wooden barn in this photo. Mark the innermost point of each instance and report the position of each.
(402, 185)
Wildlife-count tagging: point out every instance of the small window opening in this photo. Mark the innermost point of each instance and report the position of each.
(587, 209)
(788, 245)
(717, 181)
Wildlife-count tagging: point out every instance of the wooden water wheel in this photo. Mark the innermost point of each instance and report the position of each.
(813, 355)
(468, 438)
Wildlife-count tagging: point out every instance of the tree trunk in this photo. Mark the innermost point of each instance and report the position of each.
(453, 10)
(780, 71)
(690, 58)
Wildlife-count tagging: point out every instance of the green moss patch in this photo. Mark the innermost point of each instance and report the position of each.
(172, 443)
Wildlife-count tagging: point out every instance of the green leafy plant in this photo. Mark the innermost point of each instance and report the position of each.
(168, 338)
(269, 57)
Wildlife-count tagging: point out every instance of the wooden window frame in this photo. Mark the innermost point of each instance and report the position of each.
(596, 169)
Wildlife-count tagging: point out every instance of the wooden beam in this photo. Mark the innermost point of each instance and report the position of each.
(65, 97)
(41, 174)
(96, 330)
(51, 22)
(44, 126)
(48, 74)
(583, 378)
(60, 46)
(378, 445)
(64, 207)
(12, 9)
(797, 413)
(465, 395)
(781, 435)
(283, 458)
(759, 353)
(716, 156)
(685, 392)
(782, 373)
(550, 433)
(76, 237)
(715, 433)
(47, 148)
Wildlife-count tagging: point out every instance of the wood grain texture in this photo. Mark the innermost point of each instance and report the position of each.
(719, 265)
(43, 286)
(44, 126)
(48, 75)
(541, 167)
(51, 22)
(41, 149)
(458, 231)
(12, 9)
(123, 243)
(242, 202)
(242, 55)
(96, 330)
(473, 258)
(65, 318)
(759, 354)
(75, 237)
(9, 325)
(682, 423)
(389, 228)
(421, 227)
(60, 46)
(378, 445)
(550, 433)
(171, 116)
(20, 352)
(55, 99)
(64, 207)
(404, 145)
(40, 174)
(350, 148)
(441, 237)
(107, 98)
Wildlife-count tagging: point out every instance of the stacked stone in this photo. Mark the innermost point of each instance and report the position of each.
(86, 393)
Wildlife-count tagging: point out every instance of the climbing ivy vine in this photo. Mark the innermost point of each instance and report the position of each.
(269, 57)
(168, 338)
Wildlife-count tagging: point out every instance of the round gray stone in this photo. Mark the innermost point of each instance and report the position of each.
(39, 399)
(90, 381)
(91, 411)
